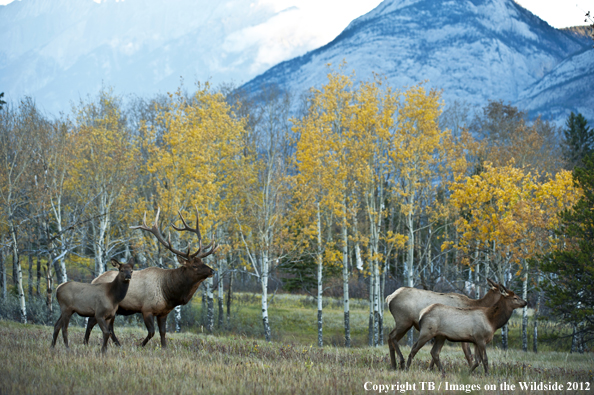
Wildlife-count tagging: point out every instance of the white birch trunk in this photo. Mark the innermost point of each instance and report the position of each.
(3, 268)
(220, 294)
(320, 274)
(210, 307)
(264, 282)
(17, 264)
(345, 279)
(177, 318)
(525, 311)
(409, 263)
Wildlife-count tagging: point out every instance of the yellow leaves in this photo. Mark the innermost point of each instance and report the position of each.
(202, 145)
(511, 206)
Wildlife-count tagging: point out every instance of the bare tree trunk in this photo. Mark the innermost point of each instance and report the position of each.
(30, 271)
(535, 317)
(3, 268)
(210, 307)
(204, 310)
(264, 282)
(229, 297)
(48, 293)
(221, 298)
(409, 262)
(371, 294)
(177, 310)
(319, 258)
(38, 287)
(525, 312)
(376, 292)
(345, 279)
(19, 275)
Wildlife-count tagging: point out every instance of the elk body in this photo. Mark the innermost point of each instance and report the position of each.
(154, 292)
(406, 304)
(475, 325)
(97, 301)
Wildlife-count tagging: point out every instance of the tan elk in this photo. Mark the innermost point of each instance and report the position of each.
(154, 292)
(475, 325)
(97, 301)
(406, 303)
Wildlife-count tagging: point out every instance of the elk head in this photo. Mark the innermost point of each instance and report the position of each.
(511, 299)
(125, 269)
(191, 261)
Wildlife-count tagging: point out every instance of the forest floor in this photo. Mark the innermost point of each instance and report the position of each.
(241, 362)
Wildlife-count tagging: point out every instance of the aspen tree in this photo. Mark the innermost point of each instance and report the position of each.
(102, 166)
(200, 148)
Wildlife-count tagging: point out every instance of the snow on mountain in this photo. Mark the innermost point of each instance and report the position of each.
(475, 50)
(59, 50)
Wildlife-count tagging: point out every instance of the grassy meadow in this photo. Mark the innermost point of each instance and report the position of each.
(237, 361)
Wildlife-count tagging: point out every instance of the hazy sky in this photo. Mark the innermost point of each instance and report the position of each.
(558, 13)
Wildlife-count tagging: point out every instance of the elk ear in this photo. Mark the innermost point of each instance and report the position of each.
(493, 284)
(181, 260)
(115, 263)
(132, 262)
(502, 290)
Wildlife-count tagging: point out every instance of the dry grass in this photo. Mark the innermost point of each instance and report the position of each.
(197, 363)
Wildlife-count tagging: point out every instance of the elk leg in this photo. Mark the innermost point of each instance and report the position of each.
(90, 325)
(397, 333)
(57, 328)
(423, 338)
(467, 353)
(483, 357)
(105, 329)
(112, 334)
(436, 350)
(478, 357)
(162, 322)
(150, 327)
(65, 323)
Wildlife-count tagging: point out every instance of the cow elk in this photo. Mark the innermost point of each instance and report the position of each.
(475, 325)
(154, 292)
(99, 302)
(406, 303)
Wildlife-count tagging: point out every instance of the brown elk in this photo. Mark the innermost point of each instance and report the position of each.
(98, 301)
(154, 292)
(406, 303)
(475, 325)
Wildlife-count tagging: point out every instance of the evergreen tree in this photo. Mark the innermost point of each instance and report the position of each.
(579, 139)
(2, 102)
(570, 280)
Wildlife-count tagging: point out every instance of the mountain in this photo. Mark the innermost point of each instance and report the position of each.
(474, 50)
(59, 50)
(568, 87)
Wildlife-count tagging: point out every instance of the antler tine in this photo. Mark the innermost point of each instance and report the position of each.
(193, 230)
(206, 252)
(157, 233)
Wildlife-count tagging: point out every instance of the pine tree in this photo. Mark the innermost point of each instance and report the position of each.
(570, 280)
(2, 102)
(579, 139)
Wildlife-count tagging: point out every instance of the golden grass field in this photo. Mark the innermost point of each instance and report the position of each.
(196, 363)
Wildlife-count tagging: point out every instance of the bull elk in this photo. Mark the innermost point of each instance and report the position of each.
(475, 325)
(98, 301)
(406, 303)
(154, 292)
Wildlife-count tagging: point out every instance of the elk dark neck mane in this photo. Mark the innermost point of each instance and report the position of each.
(180, 286)
(118, 289)
(499, 314)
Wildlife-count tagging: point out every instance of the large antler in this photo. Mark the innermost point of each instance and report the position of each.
(201, 253)
(167, 243)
